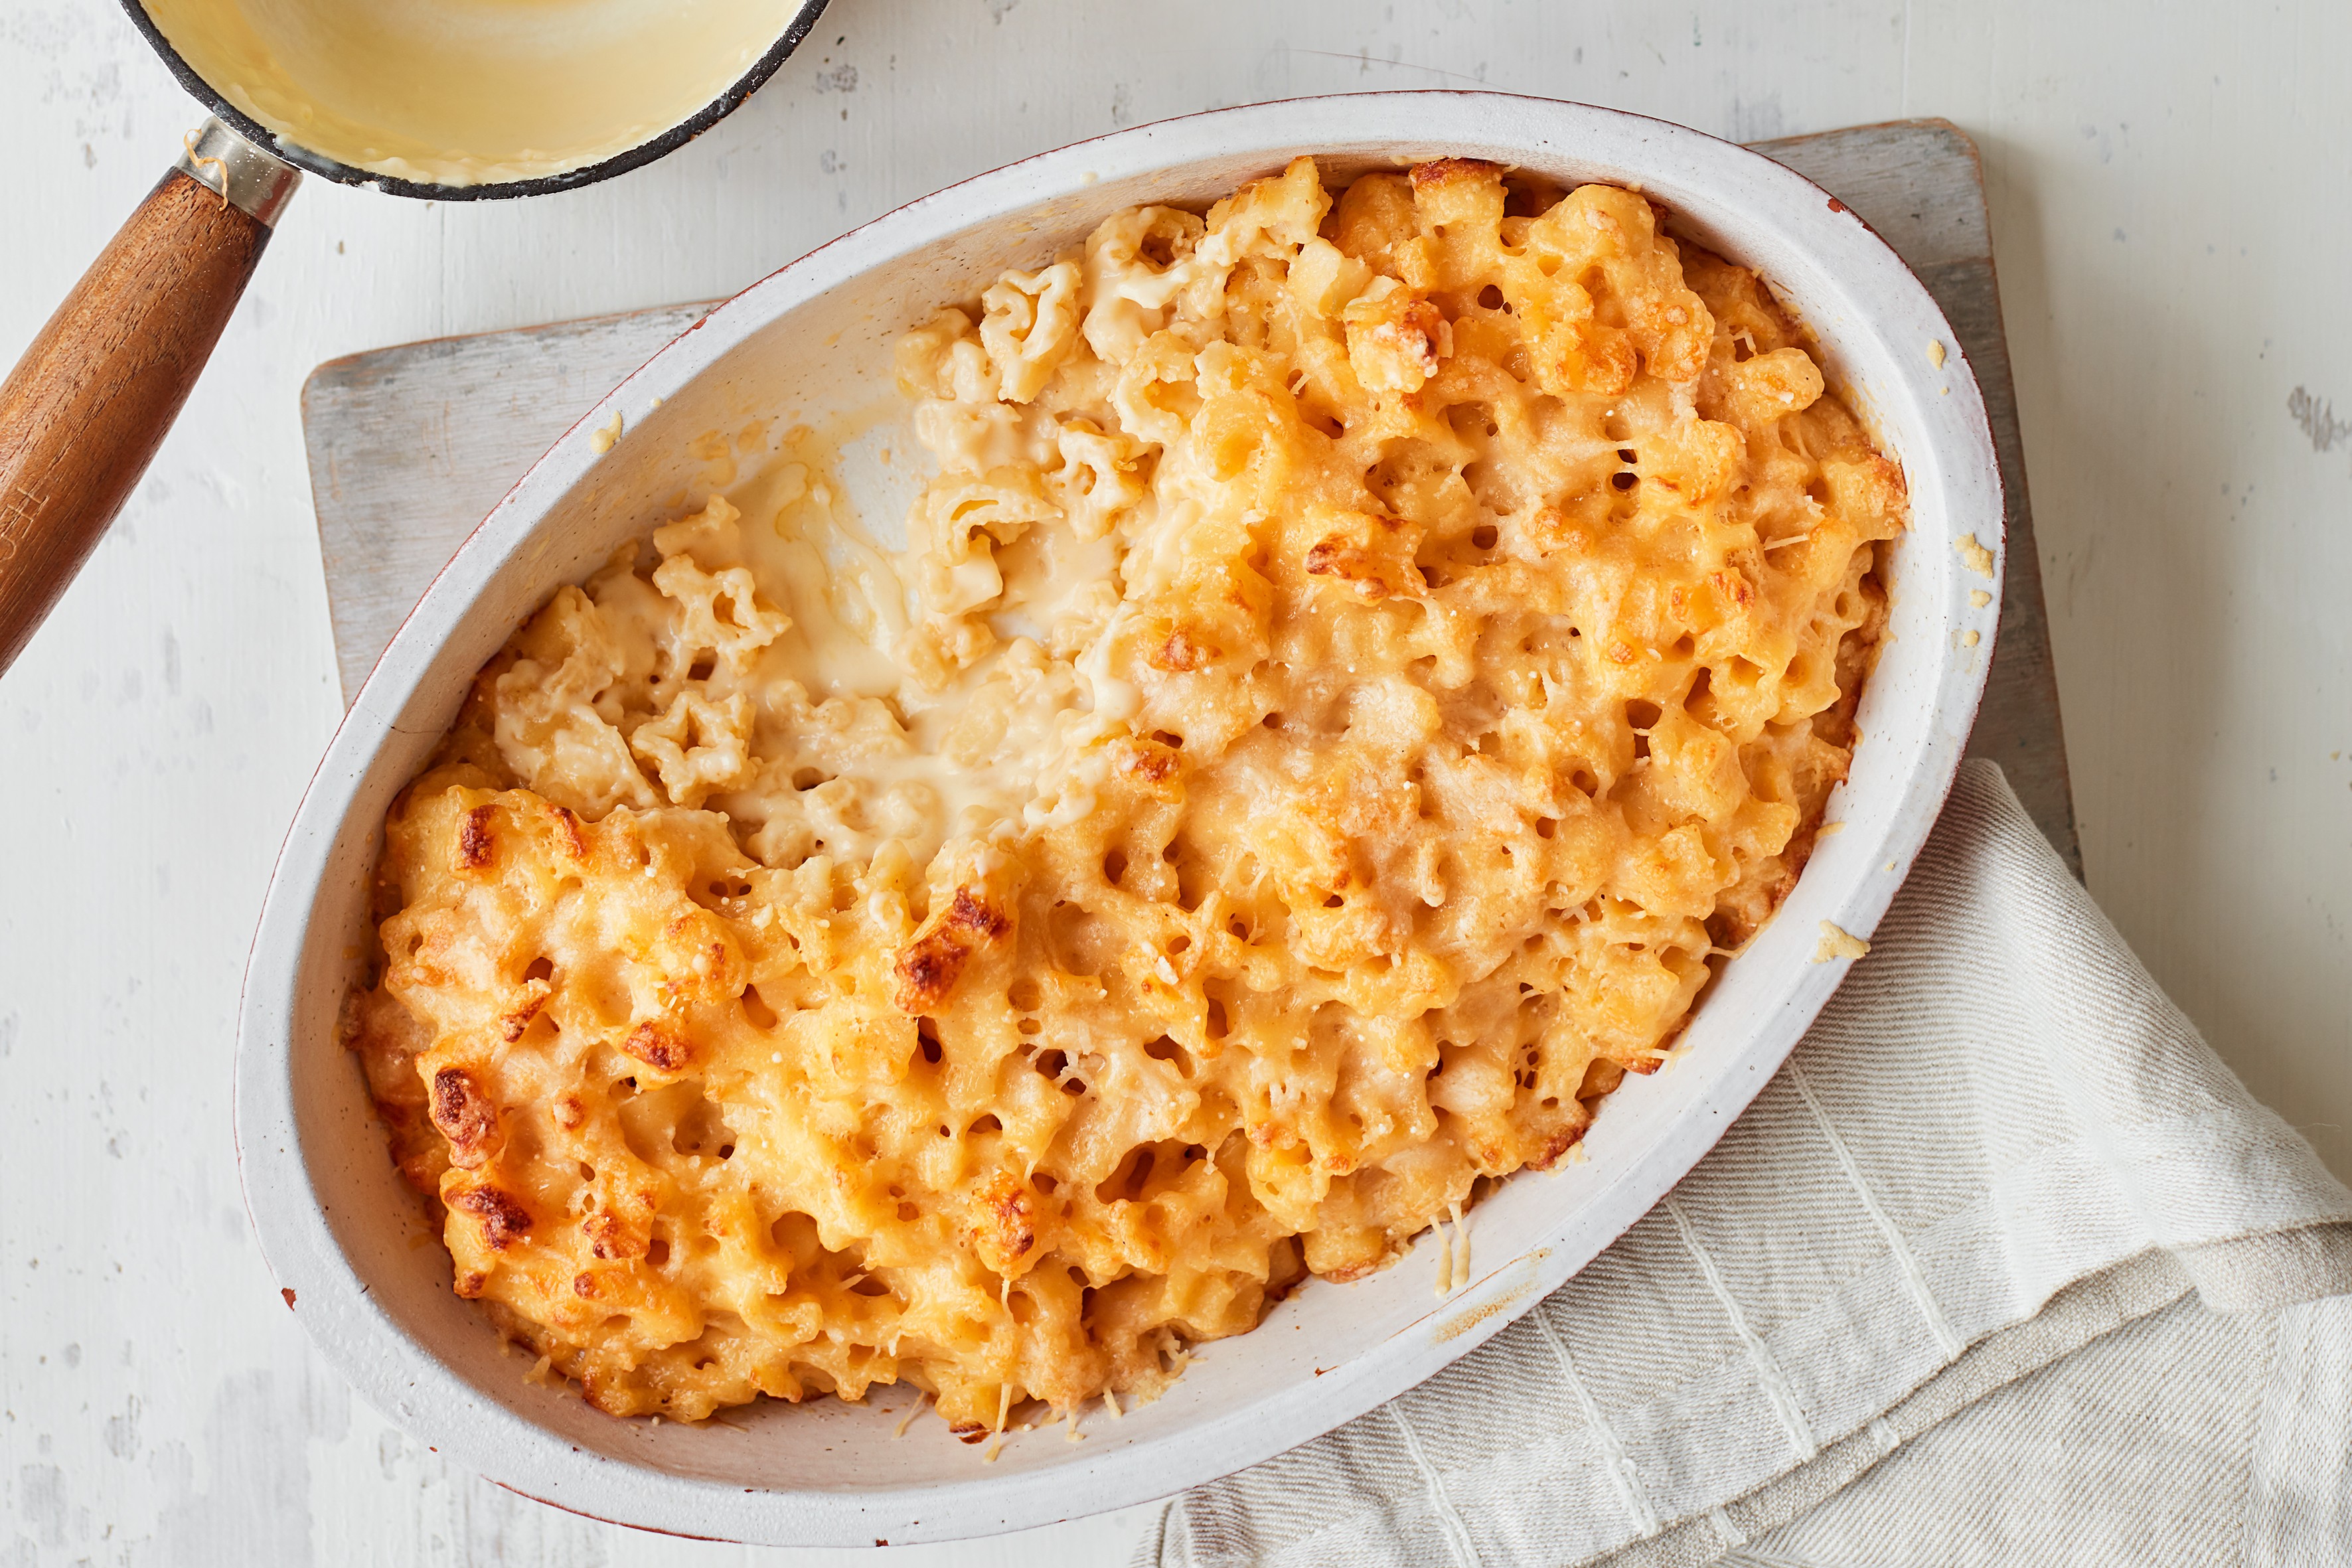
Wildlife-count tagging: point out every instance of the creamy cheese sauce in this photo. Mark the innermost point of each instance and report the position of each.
(1000, 744)
(464, 92)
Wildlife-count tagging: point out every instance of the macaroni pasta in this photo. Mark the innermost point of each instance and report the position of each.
(1360, 658)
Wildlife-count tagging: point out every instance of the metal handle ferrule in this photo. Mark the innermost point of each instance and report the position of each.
(238, 171)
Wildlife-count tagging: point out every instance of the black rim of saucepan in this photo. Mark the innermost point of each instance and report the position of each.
(643, 153)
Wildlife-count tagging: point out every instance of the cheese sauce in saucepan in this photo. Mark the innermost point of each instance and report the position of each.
(464, 92)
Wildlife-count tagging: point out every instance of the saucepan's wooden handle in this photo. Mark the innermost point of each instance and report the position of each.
(85, 409)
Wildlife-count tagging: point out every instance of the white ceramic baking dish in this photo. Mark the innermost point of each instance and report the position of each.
(345, 1238)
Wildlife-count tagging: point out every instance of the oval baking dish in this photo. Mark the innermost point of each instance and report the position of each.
(813, 342)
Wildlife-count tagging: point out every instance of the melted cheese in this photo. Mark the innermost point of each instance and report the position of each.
(994, 745)
(1354, 666)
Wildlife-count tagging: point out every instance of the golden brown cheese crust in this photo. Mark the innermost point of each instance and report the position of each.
(1495, 587)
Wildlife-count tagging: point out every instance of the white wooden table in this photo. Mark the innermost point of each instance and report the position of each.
(2168, 225)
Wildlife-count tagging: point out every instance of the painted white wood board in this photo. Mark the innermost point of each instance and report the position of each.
(2170, 261)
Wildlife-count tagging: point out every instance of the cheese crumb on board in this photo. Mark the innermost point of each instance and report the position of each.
(1838, 942)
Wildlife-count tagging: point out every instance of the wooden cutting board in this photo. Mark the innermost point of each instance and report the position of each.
(411, 447)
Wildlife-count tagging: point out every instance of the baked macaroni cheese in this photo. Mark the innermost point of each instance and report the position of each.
(1358, 660)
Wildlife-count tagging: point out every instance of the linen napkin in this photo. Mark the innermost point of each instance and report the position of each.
(1857, 1333)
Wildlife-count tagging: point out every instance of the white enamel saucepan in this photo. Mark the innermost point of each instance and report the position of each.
(812, 344)
(449, 100)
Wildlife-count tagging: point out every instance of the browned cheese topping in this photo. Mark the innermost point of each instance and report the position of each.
(1362, 657)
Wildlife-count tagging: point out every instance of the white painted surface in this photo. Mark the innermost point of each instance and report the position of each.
(2166, 208)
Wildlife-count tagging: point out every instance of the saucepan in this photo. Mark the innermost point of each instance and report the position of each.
(441, 99)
